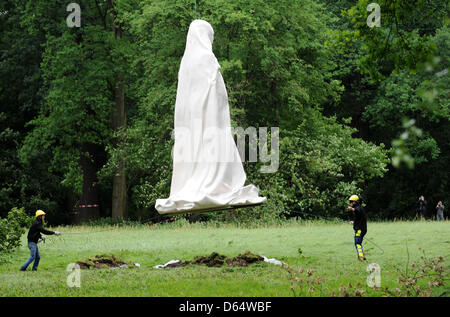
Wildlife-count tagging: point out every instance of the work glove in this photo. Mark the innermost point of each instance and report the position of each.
(57, 233)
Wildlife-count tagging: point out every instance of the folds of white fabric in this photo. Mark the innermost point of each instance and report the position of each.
(207, 168)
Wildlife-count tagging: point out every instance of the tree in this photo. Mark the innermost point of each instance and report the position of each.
(391, 75)
(119, 121)
(84, 75)
(278, 74)
(20, 95)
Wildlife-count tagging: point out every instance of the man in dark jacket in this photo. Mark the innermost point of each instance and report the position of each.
(359, 224)
(34, 234)
(422, 207)
(440, 211)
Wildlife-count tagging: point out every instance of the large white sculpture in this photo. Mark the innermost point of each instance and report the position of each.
(207, 169)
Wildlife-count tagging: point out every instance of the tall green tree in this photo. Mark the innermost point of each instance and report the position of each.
(278, 74)
(393, 73)
(84, 71)
(21, 92)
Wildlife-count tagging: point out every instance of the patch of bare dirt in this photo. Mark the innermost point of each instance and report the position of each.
(104, 261)
(245, 259)
(217, 260)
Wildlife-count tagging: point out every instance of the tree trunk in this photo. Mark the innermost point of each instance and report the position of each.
(119, 122)
(88, 207)
(119, 196)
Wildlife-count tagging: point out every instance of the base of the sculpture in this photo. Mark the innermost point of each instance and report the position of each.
(210, 209)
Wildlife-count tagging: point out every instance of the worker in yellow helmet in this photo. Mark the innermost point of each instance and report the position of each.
(34, 234)
(359, 224)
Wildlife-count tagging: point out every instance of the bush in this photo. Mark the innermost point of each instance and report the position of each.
(12, 228)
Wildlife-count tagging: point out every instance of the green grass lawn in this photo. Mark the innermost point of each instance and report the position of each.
(327, 248)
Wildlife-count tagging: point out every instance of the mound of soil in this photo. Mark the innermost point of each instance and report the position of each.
(103, 261)
(217, 260)
(213, 260)
(245, 259)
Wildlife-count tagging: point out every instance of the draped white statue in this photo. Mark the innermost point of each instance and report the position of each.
(207, 168)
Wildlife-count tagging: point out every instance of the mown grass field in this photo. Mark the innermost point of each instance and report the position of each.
(327, 248)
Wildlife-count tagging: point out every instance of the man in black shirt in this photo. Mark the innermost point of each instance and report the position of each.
(359, 224)
(34, 234)
(422, 207)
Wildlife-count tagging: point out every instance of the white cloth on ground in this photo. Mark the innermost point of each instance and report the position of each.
(273, 261)
(161, 266)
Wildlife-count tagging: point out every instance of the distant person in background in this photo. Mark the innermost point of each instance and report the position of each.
(422, 207)
(439, 211)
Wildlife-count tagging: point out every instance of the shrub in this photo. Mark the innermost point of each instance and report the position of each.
(11, 229)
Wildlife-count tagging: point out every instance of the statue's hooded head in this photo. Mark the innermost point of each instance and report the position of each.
(200, 35)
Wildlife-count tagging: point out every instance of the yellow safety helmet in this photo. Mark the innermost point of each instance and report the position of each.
(354, 198)
(39, 213)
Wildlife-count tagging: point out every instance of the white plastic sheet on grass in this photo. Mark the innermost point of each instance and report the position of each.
(272, 261)
(161, 266)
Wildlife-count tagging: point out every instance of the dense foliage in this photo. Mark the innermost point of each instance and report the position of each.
(397, 91)
(11, 230)
(338, 90)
